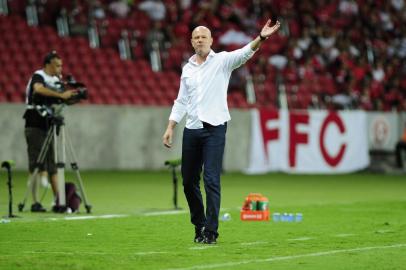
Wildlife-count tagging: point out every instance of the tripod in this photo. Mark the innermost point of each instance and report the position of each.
(56, 135)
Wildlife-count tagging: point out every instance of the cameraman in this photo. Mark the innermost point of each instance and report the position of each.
(43, 89)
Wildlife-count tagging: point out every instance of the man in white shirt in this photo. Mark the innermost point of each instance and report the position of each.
(203, 99)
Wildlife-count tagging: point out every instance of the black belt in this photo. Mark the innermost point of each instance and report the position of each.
(207, 125)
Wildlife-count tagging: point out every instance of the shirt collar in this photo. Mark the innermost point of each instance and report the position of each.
(192, 59)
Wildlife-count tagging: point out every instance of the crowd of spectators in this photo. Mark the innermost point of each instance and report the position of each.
(342, 54)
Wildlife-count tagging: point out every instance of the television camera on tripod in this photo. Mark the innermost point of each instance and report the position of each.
(46, 96)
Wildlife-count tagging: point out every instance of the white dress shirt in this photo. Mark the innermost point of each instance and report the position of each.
(203, 88)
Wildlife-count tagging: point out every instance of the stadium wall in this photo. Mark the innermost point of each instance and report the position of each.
(119, 137)
(128, 137)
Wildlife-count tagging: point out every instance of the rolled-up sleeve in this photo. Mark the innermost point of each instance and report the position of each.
(179, 107)
(235, 59)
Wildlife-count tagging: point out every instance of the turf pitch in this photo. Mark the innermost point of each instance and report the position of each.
(355, 221)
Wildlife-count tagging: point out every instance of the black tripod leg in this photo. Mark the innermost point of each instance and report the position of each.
(75, 168)
(81, 187)
(43, 194)
(40, 160)
(30, 183)
(60, 164)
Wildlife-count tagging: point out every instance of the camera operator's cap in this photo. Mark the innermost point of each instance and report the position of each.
(48, 58)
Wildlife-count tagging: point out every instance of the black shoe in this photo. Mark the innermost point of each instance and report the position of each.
(199, 235)
(210, 238)
(56, 209)
(37, 207)
(59, 209)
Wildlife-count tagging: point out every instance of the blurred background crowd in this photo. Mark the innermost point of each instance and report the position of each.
(329, 54)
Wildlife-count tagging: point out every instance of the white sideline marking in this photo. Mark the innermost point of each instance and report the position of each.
(286, 258)
(164, 213)
(150, 253)
(88, 217)
(202, 247)
(344, 234)
(384, 231)
(300, 239)
(92, 253)
(49, 252)
(254, 243)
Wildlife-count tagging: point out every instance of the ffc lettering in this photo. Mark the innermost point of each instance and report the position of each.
(296, 137)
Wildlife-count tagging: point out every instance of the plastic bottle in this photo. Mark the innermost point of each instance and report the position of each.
(226, 217)
(254, 197)
(250, 203)
(299, 217)
(276, 217)
(287, 217)
(262, 204)
(4, 220)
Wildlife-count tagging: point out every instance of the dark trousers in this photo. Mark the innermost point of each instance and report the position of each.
(203, 149)
(400, 146)
(35, 138)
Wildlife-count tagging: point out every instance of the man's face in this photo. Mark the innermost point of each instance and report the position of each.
(202, 40)
(56, 67)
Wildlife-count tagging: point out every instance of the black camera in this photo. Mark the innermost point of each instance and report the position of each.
(49, 106)
(80, 88)
(62, 86)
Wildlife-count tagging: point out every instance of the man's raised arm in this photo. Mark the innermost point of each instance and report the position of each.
(265, 33)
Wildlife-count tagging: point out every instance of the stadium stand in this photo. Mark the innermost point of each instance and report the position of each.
(330, 54)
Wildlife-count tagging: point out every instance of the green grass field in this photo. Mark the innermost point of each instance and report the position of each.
(355, 221)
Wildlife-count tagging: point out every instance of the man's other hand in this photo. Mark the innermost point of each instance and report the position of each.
(68, 94)
(167, 137)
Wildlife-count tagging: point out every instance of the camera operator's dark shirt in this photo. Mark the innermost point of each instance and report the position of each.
(32, 117)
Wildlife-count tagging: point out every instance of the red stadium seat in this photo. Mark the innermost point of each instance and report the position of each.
(312, 73)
